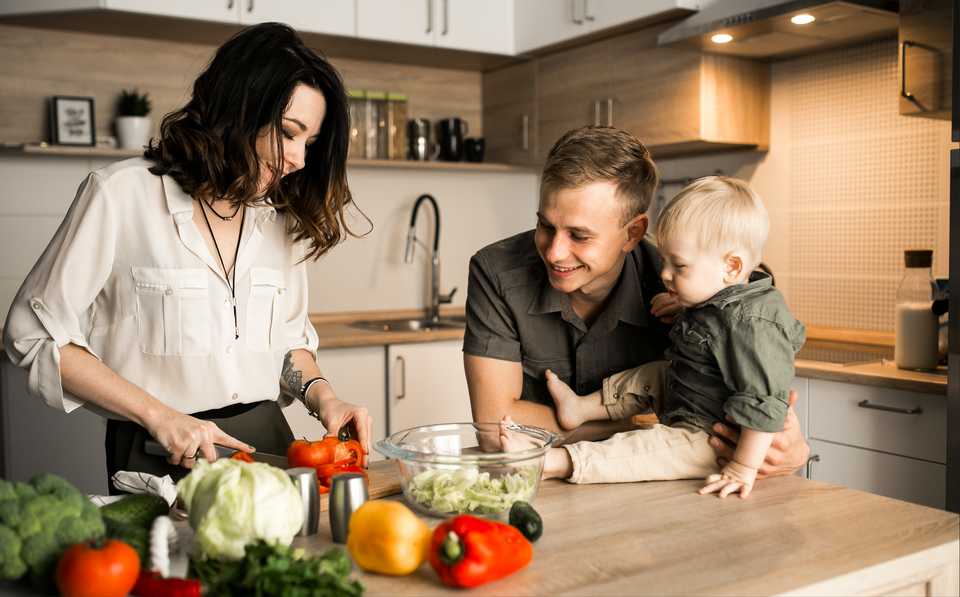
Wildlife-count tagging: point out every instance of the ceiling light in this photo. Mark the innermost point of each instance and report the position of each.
(803, 19)
(722, 38)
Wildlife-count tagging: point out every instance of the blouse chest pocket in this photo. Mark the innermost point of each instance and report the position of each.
(173, 311)
(264, 312)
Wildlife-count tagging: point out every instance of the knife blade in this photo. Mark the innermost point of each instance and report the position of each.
(153, 447)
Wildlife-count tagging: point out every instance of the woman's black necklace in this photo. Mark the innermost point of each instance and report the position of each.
(236, 255)
(224, 218)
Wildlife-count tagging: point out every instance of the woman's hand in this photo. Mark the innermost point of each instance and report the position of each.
(185, 437)
(336, 414)
(665, 306)
(788, 450)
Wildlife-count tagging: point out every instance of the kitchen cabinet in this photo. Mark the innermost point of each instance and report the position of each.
(357, 376)
(456, 24)
(676, 100)
(332, 17)
(926, 58)
(510, 114)
(544, 23)
(881, 440)
(426, 385)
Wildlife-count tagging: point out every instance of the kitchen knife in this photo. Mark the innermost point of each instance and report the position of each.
(154, 448)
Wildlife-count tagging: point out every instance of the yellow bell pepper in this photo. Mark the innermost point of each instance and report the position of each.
(387, 538)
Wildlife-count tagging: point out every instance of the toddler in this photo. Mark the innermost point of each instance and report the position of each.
(731, 356)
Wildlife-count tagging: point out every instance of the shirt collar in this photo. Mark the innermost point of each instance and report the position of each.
(178, 202)
(759, 282)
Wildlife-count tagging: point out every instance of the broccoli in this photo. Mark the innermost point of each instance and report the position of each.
(38, 521)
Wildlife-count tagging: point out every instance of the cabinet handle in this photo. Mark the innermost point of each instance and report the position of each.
(609, 111)
(229, 4)
(573, 12)
(446, 17)
(903, 72)
(526, 132)
(587, 13)
(403, 383)
(916, 410)
(249, 5)
(596, 113)
(810, 461)
(429, 16)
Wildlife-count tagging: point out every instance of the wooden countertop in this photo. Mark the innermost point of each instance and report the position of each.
(657, 538)
(872, 350)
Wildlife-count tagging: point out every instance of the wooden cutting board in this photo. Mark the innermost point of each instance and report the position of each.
(383, 480)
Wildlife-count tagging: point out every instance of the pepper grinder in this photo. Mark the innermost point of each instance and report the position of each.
(347, 493)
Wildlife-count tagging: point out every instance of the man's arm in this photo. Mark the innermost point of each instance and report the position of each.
(495, 387)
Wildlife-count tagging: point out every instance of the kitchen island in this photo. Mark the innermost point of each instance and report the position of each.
(791, 536)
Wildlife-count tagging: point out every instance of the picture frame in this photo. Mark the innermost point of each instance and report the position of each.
(72, 121)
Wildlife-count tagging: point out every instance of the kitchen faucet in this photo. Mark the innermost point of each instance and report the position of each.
(436, 299)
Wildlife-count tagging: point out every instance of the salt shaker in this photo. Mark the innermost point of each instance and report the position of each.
(305, 480)
(347, 493)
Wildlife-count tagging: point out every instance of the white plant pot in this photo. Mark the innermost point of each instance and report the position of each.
(133, 132)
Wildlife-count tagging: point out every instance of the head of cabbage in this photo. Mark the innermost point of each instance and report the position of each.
(233, 503)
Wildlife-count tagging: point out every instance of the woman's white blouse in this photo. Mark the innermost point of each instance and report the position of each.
(129, 278)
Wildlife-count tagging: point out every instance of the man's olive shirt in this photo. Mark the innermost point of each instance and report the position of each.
(514, 314)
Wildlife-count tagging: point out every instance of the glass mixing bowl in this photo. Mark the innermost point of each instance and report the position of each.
(462, 468)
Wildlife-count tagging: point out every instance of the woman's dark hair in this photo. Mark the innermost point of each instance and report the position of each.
(209, 145)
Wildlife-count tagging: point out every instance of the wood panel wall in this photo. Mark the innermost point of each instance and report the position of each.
(38, 63)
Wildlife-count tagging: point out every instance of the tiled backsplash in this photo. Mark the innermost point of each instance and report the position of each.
(849, 183)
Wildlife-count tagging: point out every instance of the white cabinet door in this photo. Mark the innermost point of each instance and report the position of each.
(357, 376)
(540, 23)
(223, 11)
(333, 17)
(402, 21)
(427, 384)
(485, 26)
(601, 14)
(893, 476)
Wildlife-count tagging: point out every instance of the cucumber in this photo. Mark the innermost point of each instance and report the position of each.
(130, 520)
(526, 520)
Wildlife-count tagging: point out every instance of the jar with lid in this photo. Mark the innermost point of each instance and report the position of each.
(916, 325)
(377, 132)
(357, 102)
(396, 125)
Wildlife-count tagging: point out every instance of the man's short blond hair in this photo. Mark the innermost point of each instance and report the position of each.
(720, 214)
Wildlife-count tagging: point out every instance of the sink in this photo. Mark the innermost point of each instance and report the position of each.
(410, 325)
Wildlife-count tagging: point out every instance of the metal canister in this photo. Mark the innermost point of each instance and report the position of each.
(305, 480)
(348, 491)
(418, 139)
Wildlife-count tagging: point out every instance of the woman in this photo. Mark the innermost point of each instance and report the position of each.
(173, 297)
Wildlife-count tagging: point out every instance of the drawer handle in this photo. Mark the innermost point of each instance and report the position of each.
(916, 410)
(810, 461)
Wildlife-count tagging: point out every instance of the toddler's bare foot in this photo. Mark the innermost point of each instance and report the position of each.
(570, 413)
(557, 464)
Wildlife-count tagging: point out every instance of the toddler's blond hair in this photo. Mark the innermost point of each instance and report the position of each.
(719, 213)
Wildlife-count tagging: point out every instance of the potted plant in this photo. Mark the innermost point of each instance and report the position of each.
(133, 123)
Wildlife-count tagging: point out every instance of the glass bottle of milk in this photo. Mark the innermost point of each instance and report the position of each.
(916, 324)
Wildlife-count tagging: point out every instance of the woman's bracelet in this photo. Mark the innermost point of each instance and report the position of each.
(303, 394)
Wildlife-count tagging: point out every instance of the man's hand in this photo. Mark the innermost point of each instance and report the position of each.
(665, 307)
(788, 451)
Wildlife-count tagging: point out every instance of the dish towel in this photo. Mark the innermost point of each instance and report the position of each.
(137, 482)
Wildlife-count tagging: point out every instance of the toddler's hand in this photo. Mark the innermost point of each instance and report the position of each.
(665, 306)
(733, 478)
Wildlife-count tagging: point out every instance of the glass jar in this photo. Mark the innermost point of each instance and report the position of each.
(916, 325)
(358, 126)
(377, 147)
(396, 125)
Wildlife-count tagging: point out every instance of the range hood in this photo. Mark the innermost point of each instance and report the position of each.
(763, 28)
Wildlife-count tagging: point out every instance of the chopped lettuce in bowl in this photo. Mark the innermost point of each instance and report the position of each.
(469, 491)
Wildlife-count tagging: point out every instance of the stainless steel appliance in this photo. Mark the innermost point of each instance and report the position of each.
(953, 387)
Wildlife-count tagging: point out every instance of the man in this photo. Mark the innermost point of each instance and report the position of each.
(581, 295)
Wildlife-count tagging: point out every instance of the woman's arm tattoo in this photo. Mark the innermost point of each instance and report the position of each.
(291, 378)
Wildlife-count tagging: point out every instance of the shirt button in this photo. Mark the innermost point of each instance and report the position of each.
(35, 304)
(168, 291)
(229, 348)
(234, 397)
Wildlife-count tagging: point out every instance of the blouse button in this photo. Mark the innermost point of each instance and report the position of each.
(234, 397)
(229, 348)
(168, 291)
(35, 304)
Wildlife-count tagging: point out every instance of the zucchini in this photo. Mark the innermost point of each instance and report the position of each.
(526, 520)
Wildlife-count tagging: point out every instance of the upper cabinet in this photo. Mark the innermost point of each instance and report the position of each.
(510, 114)
(456, 24)
(676, 100)
(544, 23)
(331, 17)
(926, 58)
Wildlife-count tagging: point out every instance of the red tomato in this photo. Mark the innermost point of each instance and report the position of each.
(350, 449)
(98, 570)
(242, 457)
(306, 453)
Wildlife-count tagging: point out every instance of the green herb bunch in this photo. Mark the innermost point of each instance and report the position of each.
(268, 570)
(133, 103)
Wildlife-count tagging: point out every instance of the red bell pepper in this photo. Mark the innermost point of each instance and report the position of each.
(151, 584)
(468, 551)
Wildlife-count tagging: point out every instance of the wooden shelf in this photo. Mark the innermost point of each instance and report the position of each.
(108, 152)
